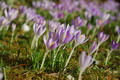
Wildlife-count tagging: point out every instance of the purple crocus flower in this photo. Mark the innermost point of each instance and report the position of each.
(80, 38)
(102, 37)
(66, 35)
(3, 5)
(38, 29)
(85, 61)
(89, 26)
(57, 14)
(3, 21)
(39, 20)
(104, 20)
(23, 9)
(88, 15)
(52, 41)
(93, 47)
(53, 26)
(114, 45)
(78, 22)
(11, 14)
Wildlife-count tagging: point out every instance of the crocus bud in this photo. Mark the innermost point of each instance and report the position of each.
(39, 29)
(80, 38)
(93, 47)
(78, 22)
(114, 45)
(85, 61)
(102, 37)
(53, 26)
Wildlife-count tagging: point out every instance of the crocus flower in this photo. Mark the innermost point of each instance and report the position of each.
(80, 38)
(53, 26)
(93, 47)
(104, 20)
(78, 22)
(52, 41)
(66, 35)
(114, 45)
(3, 5)
(84, 61)
(39, 20)
(57, 15)
(38, 29)
(3, 21)
(89, 26)
(88, 15)
(102, 37)
(11, 14)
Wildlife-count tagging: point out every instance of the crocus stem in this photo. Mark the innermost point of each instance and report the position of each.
(4, 74)
(12, 37)
(94, 31)
(69, 58)
(118, 39)
(44, 59)
(56, 55)
(33, 42)
(107, 58)
(80, 76)
(96, 51)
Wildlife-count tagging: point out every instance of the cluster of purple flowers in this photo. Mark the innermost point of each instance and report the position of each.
(57, 34)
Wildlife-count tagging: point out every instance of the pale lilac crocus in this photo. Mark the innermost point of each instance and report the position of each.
(11, 14)
(3, 5)
(89, 26)
(3, 22)
(102, 37)
(80, 38)
(51, 43)
(66, 35)
(38, 31)
(84, 61)
(57, 15)
(39, 20)
(93, 47)
(103, 20)
(78, 22)
(53, 26)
